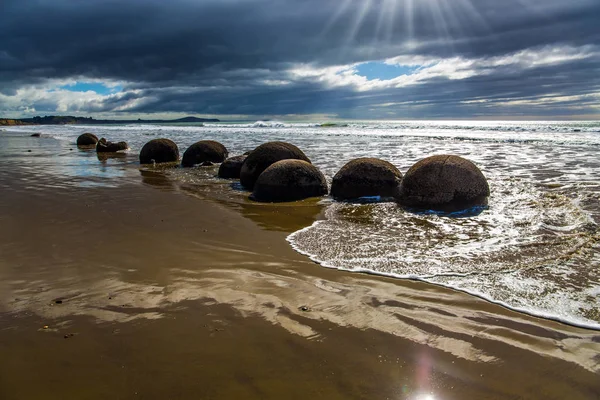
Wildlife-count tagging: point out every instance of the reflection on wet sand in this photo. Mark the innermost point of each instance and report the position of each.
(175, 296)
(103, 157)
(157, 179)
(86, 148)
(284, 217)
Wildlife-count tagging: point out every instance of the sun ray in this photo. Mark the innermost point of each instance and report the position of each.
(356, 24)
(384, 27)
(343, 8)
(473, 14)
(409, 15)
(375, 29)
(391, 19)
(441, 25)
(381, 18)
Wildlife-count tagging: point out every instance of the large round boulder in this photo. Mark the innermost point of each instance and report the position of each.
(444, 183)
(364, 177)
(230, 168)
(289, 180)
(265, 155)
(87, 139)
(204, 151)
(104, 146)
(159, 151)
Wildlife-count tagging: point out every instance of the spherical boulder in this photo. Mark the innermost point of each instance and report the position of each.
(104, 146)
(230, 168)
(265, 155)
(87, 139)
(159, 151)
(289, 180)
(444, 183)
(204, 151)
(366, 177)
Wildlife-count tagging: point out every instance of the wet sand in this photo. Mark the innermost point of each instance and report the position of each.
(151, 290)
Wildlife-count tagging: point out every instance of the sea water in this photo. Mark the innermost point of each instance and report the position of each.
(535, 249)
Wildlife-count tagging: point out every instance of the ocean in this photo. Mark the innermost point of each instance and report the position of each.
(534, 249)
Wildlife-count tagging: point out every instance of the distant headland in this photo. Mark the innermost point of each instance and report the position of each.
(69, 120)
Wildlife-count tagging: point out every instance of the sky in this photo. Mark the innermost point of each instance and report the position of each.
(301, 59)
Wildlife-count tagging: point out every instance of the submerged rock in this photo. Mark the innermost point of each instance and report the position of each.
(204, 151)
(230, 168)
(289, 180)
(265, 155)
(159, 151)
(87, 139)
(104, 146)
(366, 177)
(444, 183)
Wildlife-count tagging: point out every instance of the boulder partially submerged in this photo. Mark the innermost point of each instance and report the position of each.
(265, 155)
(87, 139)
(289, 180)
(204, 151)
(104, 146)
(444, 183)
(366, 177)
(231, 168)
(159, 151)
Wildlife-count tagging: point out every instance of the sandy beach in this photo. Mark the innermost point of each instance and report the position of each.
(149, 289)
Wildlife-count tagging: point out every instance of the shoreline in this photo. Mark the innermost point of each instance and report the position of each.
(208, 300)
(548, 317)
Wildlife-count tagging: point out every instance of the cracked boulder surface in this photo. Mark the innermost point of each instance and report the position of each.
(444, 183)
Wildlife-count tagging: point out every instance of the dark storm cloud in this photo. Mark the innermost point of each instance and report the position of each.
(216, 56)
(436, 98)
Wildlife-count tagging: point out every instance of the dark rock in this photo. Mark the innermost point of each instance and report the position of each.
(36, 135)
(203, 151)
(444, 183)
(104, 146)
(289, 180)
(87, 139)
(366, 177)
(230, 168)
(159, 151)
(265, 155)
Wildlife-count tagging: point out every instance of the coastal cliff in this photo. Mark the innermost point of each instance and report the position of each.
(12, 122)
